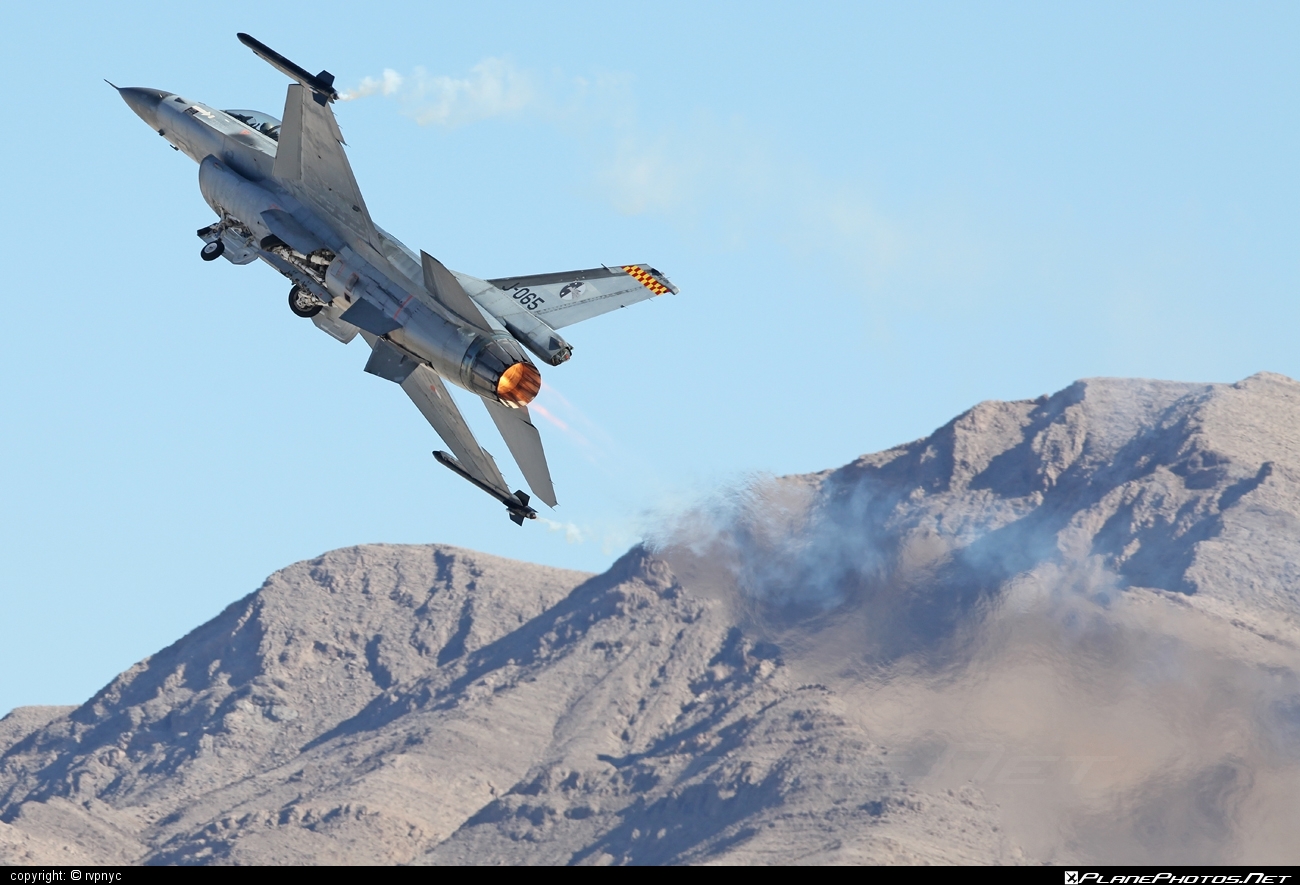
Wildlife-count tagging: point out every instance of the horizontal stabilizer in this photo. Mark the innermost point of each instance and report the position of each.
(525, 445)
(562, 299)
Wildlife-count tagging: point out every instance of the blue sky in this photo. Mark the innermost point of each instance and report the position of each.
(878, 215)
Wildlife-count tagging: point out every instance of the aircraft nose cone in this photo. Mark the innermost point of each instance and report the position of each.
(144, 102)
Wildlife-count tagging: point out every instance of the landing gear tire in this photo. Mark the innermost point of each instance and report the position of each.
(212, 251)
(303, 303)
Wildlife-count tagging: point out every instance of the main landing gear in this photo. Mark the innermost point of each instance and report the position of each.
(303, 303)
(212, 251)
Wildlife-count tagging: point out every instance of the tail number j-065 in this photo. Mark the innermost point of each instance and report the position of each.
(526, 297)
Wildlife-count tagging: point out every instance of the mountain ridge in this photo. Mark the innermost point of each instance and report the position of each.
(802, 671)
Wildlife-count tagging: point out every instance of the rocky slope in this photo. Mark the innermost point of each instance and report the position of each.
(1056, 630)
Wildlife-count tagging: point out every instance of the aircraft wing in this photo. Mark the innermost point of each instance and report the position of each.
(562, 299)
(310, 161)
(429, 393)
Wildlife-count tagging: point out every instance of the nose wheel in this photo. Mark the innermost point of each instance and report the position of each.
(304, 303)
(212, 251)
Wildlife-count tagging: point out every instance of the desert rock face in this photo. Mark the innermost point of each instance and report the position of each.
(1185, 488)
(425, 704)
(192, 729)
(1055, 630)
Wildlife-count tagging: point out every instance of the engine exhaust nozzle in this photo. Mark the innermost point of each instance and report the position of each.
(519, 384)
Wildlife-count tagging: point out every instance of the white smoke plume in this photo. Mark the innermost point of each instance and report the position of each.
(573, 534)
(725, 181)
(386, 84)
(493, 88)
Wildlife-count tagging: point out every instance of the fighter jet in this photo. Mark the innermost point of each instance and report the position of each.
(284, 193)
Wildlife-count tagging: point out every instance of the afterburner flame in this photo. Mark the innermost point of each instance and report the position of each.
(519, 384)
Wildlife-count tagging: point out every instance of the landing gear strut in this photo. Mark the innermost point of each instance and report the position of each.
(304, 303)
(212, 251)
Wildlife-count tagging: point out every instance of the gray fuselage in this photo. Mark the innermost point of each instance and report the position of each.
(375, 286)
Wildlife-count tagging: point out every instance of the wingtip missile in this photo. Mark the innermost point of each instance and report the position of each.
(516, 504)
(322, 84)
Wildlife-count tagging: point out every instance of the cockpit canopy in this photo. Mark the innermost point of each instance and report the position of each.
(263, 123)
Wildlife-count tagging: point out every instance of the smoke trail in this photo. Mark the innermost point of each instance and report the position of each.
(573, 534)
(493, 88)
(386, 84)
(766, 537)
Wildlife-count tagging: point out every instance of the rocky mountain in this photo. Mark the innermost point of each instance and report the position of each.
(1059, 630)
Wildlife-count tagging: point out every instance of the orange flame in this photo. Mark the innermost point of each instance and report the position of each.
(519, 384)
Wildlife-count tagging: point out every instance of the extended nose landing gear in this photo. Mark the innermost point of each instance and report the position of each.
(304, 303)
(212, 251)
